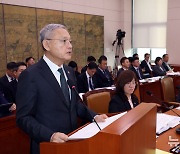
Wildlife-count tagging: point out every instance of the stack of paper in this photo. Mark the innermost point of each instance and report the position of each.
(164, 122)
(92, 129)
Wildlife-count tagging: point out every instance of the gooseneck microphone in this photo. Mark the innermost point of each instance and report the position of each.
(73, 87)
(163, 103)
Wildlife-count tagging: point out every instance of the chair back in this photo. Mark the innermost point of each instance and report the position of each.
(99, 102)
(168, 89)
(137, 93)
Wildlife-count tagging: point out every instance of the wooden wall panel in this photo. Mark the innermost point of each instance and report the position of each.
(2, 44)
(20, 27)
(76, 27)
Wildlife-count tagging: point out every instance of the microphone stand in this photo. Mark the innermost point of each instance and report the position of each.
(73, 87)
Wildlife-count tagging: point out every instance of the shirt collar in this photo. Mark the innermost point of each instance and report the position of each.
(52, 65)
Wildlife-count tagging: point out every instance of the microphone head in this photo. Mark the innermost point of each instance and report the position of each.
(71, 84)
(149, 93)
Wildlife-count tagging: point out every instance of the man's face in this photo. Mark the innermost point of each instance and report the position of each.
(136, 63)
(103, 64)
(59, 48)
(126, 63)
(166, 58)
(30, 62)
(147, 57)
(18, 72)
(91, 72)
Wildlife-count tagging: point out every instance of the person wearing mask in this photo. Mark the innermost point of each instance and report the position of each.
(86, 81)
(124, 98)
(47, 108)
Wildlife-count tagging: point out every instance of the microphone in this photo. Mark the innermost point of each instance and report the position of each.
(164, 104)
(73, 87)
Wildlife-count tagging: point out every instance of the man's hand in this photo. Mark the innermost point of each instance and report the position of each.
(59, 137)
(13, 107)
(100, 118)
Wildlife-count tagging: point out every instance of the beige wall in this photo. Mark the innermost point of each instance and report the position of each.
(173, 31)
(117, 15)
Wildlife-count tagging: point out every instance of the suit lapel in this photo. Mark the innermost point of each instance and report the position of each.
(50, 78)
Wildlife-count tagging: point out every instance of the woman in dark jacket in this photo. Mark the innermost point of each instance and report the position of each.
(124, 99)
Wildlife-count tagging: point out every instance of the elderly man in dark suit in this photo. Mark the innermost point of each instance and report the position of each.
(165, 59)
(87, 81)
(47, 108)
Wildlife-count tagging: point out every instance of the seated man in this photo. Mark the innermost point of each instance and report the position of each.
(158, 69)
(146, 65)
(89, 59)
(125, 65)
(86, 81)
(136, 68)
(165, 62)
(103, 76)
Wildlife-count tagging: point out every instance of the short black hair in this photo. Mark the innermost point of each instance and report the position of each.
(91, 59)
(164, 55)
(72, 64)
(92, 65)
(146, 54)
(134, 55)
(157, 60)
(27, 59)
(134, 58)
(19, 64)
(130, 59)
(101, 58)
(123, 60)
(11, 65)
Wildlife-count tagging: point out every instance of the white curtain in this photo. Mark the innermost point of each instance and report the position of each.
(149, 23)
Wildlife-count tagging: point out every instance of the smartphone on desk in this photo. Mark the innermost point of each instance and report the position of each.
(176, 149)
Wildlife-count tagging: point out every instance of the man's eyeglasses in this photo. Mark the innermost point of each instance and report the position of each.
(65, 41)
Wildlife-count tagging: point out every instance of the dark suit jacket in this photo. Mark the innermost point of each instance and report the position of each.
(41, 106)
(140, 70)
(6, 88)
(120, 71)
(119, 103)
(144, 65)
(158, 72)
(84, 69)
(14, 89)
(165, 66)
(82, 83)
(102, 80)
(2, 99)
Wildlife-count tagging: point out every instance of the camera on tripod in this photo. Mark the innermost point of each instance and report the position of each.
(119, 35)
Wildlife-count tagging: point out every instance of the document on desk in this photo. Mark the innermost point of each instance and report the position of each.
(165, 121)
(92, 129)
(178, 108)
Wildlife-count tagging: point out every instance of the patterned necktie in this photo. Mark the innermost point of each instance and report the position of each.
(90, 84)
(64, 86)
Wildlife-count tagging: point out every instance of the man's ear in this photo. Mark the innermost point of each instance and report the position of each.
(45, 44)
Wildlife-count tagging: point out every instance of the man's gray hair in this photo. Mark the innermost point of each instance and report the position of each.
(47, 30)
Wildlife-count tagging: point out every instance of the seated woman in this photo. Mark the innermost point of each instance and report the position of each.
(124, 99)
(158, 69)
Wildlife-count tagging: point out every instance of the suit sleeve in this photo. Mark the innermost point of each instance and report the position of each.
(114, 105)
(26, 109)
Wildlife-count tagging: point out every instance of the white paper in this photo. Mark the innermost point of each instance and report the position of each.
(164, 122)
(174, 73)
(178, 108)
(92, 129)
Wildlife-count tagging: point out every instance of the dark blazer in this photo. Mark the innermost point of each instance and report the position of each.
(6, 88)
(120, 71)
(140, 70)
(119, 103)
(145, 66)
(14, 89)
(82, 83)
(102, 80)
(41, 106)
(165, 66)
(84, 69)
(158, 72)
(2, 99)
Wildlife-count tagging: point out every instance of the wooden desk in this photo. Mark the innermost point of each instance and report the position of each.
(163, 139)
(12, 139)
